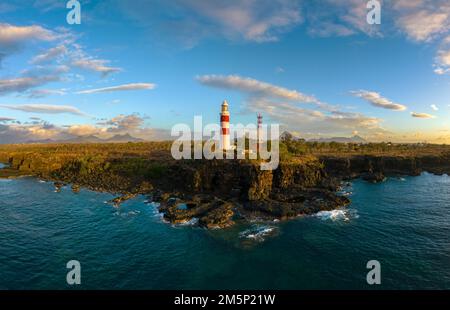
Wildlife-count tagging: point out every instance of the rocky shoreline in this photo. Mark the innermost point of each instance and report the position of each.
(216, 193)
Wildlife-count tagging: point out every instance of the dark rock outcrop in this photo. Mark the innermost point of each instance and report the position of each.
(219, 192)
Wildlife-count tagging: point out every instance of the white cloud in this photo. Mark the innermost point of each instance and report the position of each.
(289, 114)
(422, 115)
(434, 107)
(10, 34)
(286, 107)
(442, 61)
(39, 130)
(124, 87)
(423, 25)
(84, 130)
(49, 55)
(254, 87)
(45, 109)
(13, 38)
(40, 93)
(377, 100)
(125, 123)
(97, 65)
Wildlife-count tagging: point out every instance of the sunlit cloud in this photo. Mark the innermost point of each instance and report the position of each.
(49, 55)
(422, 115)
(96, 65)
(377, 100)
(124, 87)
(45, 109)
(14, 38)
(254, 87)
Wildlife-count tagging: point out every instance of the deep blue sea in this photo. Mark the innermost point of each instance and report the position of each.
(404, 223)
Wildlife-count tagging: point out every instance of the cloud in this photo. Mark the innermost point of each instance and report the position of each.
(442, 62)
(123, 123)
(40, 93)
(39, 130)
(24, 83)
(314, 122)
(16, 133)
(286, 107)
(124, 87)
(422, 115)
(339, 18)
(13, 38)
(377, 100)
(84, 130)
(254, 87)
(434, 107)
(49, 55)
(45, 109)
(49, 5)
(427, 21)
(31, 79)
(441, 71)
(407, 4)
(96, 65)
(6, 119)
(246, 20)
(423, 25)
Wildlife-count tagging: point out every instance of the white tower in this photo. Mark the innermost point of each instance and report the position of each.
(259, 132)
(225, 126)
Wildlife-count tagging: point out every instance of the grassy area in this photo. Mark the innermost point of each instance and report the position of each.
(138, 153)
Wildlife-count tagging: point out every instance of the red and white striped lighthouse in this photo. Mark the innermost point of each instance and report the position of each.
(225, 126)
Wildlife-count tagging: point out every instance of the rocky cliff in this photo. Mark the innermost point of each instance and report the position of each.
(218, 192)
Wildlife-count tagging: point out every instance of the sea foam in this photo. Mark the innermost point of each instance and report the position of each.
(337, 215)
(257, 232)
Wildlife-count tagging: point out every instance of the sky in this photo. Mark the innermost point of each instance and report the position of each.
(317, 68)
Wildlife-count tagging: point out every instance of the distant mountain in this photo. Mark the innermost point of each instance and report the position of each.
(123, 138)
(46, 141)
(354, 139)
(82, 139)
(93, 139)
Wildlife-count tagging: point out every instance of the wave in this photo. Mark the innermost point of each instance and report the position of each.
(338, 215)
(127, 214)
(257, 232)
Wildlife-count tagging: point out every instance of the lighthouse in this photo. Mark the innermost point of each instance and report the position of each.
(259, 132)
(225, 126)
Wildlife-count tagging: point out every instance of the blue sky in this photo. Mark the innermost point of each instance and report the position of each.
(315, 67)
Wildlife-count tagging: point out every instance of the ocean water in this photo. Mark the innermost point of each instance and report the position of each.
(404, 223)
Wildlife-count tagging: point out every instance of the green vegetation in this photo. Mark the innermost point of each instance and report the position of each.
(301, 147)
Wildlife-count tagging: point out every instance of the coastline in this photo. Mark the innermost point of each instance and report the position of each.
(217, 192)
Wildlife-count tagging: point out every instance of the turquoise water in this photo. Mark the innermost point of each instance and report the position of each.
(403, 223)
